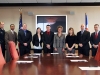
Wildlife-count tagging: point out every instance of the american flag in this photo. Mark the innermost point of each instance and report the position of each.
(20, 20)
(86, 22)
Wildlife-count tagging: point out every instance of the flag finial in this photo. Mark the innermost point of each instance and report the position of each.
(20, 9)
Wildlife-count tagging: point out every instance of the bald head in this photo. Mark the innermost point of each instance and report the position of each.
(82, 27)
(2, 25)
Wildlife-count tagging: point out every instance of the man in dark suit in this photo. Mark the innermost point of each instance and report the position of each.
(24, 39)
(48, 37)
(2, 38)
(83, 38)
(10, 35)
(95, 39)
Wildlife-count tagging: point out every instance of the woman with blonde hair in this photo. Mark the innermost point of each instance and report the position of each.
(70, 41)
(59, 41)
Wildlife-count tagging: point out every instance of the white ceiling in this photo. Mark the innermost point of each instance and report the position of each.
(47, 1)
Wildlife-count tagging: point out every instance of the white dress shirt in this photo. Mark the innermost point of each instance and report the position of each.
(12, 31)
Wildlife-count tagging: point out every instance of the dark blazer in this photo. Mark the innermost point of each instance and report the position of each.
(84, 39)
(36, 41)
(70, 40)
(24, 39)
(93, 40)
(2, 36)
(2, 41)
(48, 39)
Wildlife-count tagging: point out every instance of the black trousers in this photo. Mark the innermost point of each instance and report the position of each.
(94, 51)
(46, 50)
(24, 50)
(3, 49)
(37, 50)
(84, 51)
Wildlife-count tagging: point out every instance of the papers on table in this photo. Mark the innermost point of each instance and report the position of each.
(89, 68)
(54, 53)
(79, 60)
(31, 57)
(72, 56)
(24, 61)
(36, 54)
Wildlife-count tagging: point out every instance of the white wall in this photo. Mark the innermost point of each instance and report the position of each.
(10, 15)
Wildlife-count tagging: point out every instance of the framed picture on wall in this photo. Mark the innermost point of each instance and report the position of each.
(53, 20)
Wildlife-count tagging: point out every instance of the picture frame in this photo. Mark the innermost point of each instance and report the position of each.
(53, 20)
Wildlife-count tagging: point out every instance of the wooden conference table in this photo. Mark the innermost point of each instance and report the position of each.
(53, 65)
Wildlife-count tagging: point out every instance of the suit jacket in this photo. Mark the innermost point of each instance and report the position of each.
(48, 39)
(93, 40)
(2, 36)
(24, 39)
(10, 37)
(84, 39)
(36, 41)
(59, 42)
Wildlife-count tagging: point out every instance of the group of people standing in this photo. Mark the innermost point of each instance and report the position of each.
(51, 43)
(59, 43)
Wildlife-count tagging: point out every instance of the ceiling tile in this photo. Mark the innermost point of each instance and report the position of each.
(14, 1)
(97, 1)
(73, 1)
(3, 1)
(58, 1)
(88, 0)
(44, 1)
(29, 1)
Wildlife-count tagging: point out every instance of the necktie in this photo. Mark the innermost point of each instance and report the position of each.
(96, 35)
(25, 32)
(81, 32)
(48, 33)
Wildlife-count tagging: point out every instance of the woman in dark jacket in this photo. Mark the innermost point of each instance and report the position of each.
(37, 41)
(70, 41)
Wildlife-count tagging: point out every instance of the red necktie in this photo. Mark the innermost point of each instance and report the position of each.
(96, 35)
(48, 33)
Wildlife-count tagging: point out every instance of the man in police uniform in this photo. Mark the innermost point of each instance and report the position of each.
(2, 38)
